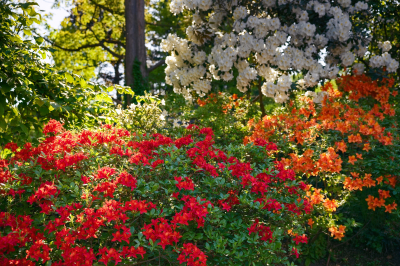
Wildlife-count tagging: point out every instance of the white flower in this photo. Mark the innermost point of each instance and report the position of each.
(347, 58)
(385, 46)
(392, 66)
(361, 6)
(240, 13)
(376, 61)
(320, 9)
(175, 124)
(227, 76)
(269, 89)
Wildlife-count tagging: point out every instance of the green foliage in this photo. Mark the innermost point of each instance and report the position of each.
(226, 113)
(140, 84)
(146, 116)
(31, 91)
(92, 35)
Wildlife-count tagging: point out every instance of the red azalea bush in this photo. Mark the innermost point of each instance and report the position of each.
(112, 197)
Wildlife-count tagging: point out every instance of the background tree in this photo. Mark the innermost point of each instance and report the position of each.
(96, 35)
(31, 91)
(385, 26)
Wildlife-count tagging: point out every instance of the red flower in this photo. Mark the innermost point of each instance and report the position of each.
(127, 180)
(11, 146)
(124, 236)
(300, 239)
(192, 255)
(132, 252)
(183, 141)
(39, 250)
(104, 173)
(159, 229)
(52, 126)
(263, 231)
(185, 183)
(108, 255)
(45, 191)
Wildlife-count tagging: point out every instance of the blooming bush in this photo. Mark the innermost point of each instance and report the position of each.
(346, 148)
(111, 197)
(266, 41)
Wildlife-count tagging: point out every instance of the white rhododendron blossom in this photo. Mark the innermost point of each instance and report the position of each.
(264, 42)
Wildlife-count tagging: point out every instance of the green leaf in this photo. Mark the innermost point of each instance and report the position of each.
(25, 129)
(27, 32)
(82, 82)
(69, 78)
(39, 40)
(3, 123)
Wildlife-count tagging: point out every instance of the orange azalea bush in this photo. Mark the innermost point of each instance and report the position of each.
(345, 148)
(108, 197)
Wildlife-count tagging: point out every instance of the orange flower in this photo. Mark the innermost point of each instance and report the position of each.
(359, 156)
(290, 232)
(337, 233)
(352, 159)
(391, 207)
(341, 146)
(391, 181)
(201, 103)
(330, 205)
(310, 222)
(354, 174)
(379, 179)
(355, 138)
(384, 194)
(370, 201)
(317, 198)
(366, 147)
(348, 183)
(368, 182)
(358, 184)
(373, 202)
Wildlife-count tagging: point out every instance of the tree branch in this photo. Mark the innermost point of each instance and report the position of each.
(101, 42)
(158, 64)
(71, 49)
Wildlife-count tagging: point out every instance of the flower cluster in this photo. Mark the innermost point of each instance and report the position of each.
(261, 43)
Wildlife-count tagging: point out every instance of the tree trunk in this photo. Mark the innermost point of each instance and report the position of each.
(130, 49)
(261, 98)
(135, 40)
(141, 38)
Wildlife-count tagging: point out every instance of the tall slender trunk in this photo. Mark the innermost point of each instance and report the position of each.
(117, 79)
(130, 49)
(261, 98)
(141, 38)
(135, 40)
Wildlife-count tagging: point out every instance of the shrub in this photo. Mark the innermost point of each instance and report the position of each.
(226, 113)
(347, 148)
(109, 196)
